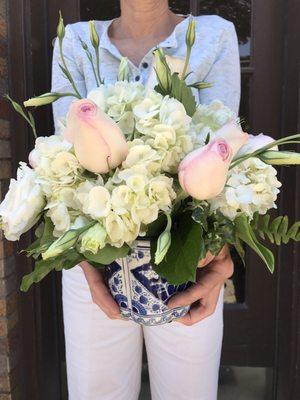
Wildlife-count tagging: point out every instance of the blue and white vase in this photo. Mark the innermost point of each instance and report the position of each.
(140, 292)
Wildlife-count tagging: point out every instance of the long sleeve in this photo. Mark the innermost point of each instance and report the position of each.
(59, 82)
(225, 73)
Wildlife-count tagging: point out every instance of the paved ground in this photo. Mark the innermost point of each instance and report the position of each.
(235, 383)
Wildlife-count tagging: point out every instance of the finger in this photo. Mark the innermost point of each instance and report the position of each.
(202, 310)
(185, 298)
(205, 261)
(105, 301)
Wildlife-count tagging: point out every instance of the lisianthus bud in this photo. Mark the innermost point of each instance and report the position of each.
(163, 242)
(162, 70)
(43, 100)
(123, 74)
(93, 239)
(190, 34)
(94, 35)
(280, 157)
(65, 242)
(98, 141)
(60, 28)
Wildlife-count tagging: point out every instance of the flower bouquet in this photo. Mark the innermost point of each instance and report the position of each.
(143, 182)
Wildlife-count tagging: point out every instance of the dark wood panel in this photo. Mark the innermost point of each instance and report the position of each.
(287, 362)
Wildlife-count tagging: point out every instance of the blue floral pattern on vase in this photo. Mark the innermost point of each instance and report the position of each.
(140, 292)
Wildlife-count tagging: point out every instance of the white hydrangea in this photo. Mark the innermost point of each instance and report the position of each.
(252, 186)
(54, 163)
(209, 118)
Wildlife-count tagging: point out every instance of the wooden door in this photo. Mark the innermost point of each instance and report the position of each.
(259, 308)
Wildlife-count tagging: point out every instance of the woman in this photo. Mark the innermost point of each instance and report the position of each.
(104, 352)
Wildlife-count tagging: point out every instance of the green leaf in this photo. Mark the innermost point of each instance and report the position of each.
(276, 231)
(240, 250)
(42, 268)
(42, 243)
(181, 262)
(107, 255)
(201, 214)
(245, 233)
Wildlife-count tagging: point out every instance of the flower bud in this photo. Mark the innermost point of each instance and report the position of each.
(65, 242)
(60, 28)
(94, 35)
(280, 157)
(203, 172)
(163, 245)
(162, 70)
(98, 141)
(43, 100)
(190, 34)
(123, 74)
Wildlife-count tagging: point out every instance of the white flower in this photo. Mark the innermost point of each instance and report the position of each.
(98, 96)
(149, 107)
(65, 167)
(173, 113)
(140, 154)
(58, 212)
(46, 148)
(95, 200)
(115, 229)
(121, 199)
(143, 211)
(131, 228)
(209, 118)
(161, 192)
(252, 186)
(93, 239)
(22, 205)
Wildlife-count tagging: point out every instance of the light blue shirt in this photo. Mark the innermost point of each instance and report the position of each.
(215, 59)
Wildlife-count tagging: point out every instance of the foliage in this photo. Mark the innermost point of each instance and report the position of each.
(276, 231)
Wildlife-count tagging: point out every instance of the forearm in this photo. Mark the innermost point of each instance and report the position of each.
(92, 275)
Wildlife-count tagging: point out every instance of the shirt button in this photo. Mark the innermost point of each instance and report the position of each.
(145, 65)
(137, 78)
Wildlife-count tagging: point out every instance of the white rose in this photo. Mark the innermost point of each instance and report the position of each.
(22, 205)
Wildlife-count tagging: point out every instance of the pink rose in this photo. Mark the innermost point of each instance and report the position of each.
(98, 141)
(203, 172)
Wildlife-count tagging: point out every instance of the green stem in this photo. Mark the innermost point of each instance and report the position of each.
(187, 60)
(69, 76)
(282, 141)
(98, 64)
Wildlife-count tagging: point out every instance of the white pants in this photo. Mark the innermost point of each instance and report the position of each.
(104, 356)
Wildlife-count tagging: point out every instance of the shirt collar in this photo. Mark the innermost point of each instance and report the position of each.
(170, 42)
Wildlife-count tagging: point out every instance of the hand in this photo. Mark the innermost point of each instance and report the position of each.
(99, 291)
(205, 293)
